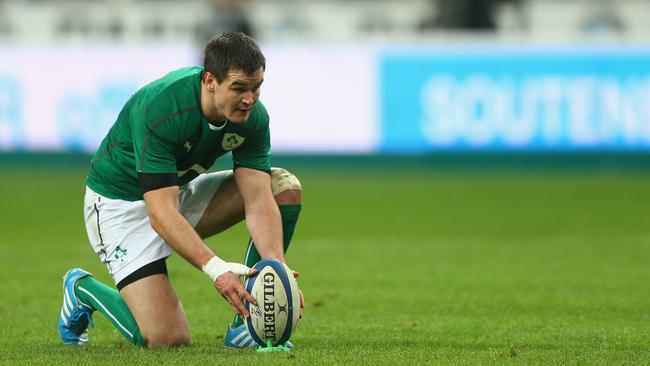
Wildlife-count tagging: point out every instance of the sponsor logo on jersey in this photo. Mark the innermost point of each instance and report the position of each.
(231, 141)
(188, 146)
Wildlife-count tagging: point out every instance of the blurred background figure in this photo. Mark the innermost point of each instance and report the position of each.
(225, 16)
(6, 28)
(467, 14)
(603, 18)
(472, 15)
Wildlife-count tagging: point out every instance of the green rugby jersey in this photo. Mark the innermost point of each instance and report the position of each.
(161, 130)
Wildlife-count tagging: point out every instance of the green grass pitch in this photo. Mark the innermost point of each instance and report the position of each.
(398, 266)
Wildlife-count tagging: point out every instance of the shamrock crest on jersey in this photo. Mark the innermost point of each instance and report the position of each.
(120, 253)
(231, 141)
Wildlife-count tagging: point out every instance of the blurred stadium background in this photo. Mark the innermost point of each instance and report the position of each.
(407, 76)
(495, 153)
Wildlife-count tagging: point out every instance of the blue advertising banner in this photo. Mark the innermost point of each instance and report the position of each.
(509, 100)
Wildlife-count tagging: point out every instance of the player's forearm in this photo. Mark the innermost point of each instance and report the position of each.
(180, 235)
(265, 226)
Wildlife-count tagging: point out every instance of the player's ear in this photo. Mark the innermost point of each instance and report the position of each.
(209, 80)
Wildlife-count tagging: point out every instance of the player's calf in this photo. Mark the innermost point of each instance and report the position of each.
(158, 311)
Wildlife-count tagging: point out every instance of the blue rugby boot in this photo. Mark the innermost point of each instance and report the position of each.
(240, 338)
(76, 316)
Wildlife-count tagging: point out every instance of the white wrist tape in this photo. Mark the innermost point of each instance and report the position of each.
(217, 266)
(214, 268)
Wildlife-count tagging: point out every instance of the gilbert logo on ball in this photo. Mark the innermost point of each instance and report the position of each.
(278, 303)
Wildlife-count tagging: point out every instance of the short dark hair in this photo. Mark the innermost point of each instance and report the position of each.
(232, 51)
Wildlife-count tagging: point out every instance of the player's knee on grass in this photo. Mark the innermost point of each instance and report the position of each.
(286, 187)
(167, 339)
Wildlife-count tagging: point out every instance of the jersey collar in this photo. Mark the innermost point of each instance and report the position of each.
(215, 128)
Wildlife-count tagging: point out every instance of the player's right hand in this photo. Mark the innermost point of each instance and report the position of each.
(302, 297)
(230, 287)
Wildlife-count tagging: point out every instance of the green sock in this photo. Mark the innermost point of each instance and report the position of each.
(109, 302)
(289, 214)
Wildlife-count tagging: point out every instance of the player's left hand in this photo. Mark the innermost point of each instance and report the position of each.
(302, 297)
(302, 303)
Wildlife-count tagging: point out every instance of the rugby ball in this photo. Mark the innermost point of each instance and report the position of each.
(276, 314)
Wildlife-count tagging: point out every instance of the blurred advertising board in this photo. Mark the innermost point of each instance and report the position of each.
(506, 99)
(354, 98)
(66, 99)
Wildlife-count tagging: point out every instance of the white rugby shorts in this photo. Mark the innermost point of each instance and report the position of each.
(120, 232)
